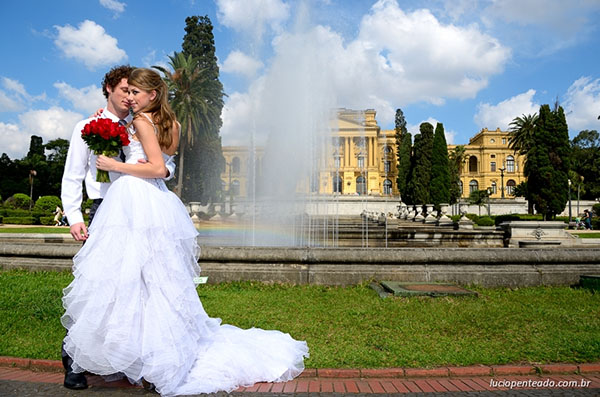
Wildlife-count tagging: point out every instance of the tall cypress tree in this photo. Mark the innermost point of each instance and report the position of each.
(440, 173)
(548, 162)
(420, 177)
(202, 179)
(403, 151)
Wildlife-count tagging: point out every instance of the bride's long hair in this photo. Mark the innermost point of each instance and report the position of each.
(160, 110)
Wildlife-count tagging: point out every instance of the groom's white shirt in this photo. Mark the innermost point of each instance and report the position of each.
(81, 167)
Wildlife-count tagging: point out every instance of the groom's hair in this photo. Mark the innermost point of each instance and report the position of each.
(114, 77)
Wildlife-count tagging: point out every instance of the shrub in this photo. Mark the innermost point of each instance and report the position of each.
(47, 204)
(18, 201)
(507, 217)
(473, 217)
(47, 220)
(596, 209)
(86, 205)
(19, 220)
(485, 221)
(11, 212)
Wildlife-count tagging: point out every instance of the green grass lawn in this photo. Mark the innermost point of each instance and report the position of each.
(34, 229)
(587, 235)
(352, 327)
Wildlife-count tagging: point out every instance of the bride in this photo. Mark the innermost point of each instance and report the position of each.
(132, 307)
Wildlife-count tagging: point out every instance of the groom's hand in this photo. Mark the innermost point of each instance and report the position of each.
(79, 231)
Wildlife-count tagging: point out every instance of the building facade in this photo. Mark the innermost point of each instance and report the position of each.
(490, 164)
(362, 160)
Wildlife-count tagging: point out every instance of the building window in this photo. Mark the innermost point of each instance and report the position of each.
(387, 187)
(337, 184)
(235, 188)
(472, 164)
(361, 185)
(510, 187)
(493, 166)
(460, 188)
(492, 140)
(336, 162)
(387, 150)
(504, 141)
(361, 162)
(314, 183)
(493, 156)
(473, 186)
(510, 164)
(494, 187)
(386, 166)
(235, 165)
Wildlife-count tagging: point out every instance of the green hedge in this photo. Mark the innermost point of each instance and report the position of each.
(485, 221)
(18, 213)
(498, 219)
(47, 220)
(19, 220)
(47, 204)
(18, 200)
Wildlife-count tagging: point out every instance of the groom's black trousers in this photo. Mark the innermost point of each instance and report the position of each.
(66, 360)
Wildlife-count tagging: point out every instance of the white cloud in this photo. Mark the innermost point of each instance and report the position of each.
(15, 86)
(252, 16)
(113, 5)
(10, 103)
(88, 99)
(538, 26)
(547, 13)
(398, 58)
(50, 124)
(90, 44)
(150, 60)
(238, 62)
(502, 114)
(582, 105)
(13, 142)
(414, 129)
(13, 96)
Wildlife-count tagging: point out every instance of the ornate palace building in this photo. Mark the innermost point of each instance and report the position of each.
(490, 164)
(363, 161)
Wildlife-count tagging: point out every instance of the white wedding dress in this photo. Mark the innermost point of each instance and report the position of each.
(133, 308)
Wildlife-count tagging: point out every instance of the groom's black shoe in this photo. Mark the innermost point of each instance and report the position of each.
(75, 381)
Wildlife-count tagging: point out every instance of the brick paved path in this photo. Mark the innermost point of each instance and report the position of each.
(464, 381)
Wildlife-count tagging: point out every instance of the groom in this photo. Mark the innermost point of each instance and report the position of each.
(80, 167)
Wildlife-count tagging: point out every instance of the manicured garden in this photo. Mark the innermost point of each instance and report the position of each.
(352, 327)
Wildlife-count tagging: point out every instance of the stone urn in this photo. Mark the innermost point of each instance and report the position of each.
(430, 218)
(444, 220)
(419, 217)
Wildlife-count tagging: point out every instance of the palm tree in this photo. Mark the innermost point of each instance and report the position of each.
(521, 133)
(455, 163)
(192, 95)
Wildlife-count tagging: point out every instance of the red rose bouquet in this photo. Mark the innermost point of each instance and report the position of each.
(104, 136)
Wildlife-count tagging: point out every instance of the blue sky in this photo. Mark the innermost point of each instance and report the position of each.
(469, 64)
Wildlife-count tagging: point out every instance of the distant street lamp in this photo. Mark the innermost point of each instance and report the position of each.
(578, 186)
(32, 173)
(229, 189)
(569, 203)
(502, 182)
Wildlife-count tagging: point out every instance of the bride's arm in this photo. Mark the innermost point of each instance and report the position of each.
(154, 167)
